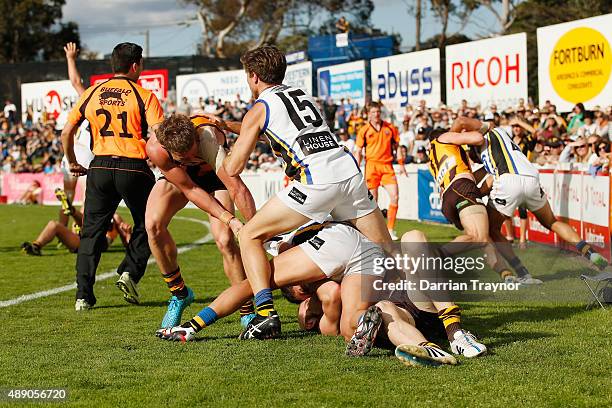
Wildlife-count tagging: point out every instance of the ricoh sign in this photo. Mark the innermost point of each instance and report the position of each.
(405, 79)
(486, 72)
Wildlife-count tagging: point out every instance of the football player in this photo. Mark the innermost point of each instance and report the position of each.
(188, 152)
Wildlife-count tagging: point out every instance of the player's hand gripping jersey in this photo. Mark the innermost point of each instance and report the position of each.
(115, 131)
(299, 136)
(500, 155)
(447, 163)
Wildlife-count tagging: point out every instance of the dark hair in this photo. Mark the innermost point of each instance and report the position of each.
(374, 104)
(580, 106)
(289, 294)
(176, 133)
(433, 134)
(124, 55)
(268, 62)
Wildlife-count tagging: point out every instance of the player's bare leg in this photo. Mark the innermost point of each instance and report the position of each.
(393, 191)
(224, 239)
(70, 184)
(52, 230)
(503, 247)
(165, 200)
(475, 224)
(291, 267)
(462, 342)
(374, 228)
(413, 348)
(360, 319)
(547, 218)
(272, 219)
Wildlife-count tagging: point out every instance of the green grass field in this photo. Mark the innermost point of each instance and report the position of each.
(541, 353)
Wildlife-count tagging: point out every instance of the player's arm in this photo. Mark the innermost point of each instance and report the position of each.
(399, 153)
(73, 73)
(227, 125)
(203, 200)
(331, 303)
(463, 123)
(68, 145)
(473, 138)
(359, 142)
(239, 193)
(252, 125)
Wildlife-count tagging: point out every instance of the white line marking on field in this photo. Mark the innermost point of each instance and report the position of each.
(109, 274)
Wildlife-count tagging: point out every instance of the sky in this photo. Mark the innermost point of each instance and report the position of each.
(173, 29)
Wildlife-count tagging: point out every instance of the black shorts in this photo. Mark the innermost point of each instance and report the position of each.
(203, 178)
(429, 324)
(461, 194)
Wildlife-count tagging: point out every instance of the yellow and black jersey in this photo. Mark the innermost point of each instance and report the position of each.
(446, 162)
(119, 112)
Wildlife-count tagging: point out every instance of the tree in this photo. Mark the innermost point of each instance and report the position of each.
(504, 14)
(31, 29)
(444, 9)
(218, 19)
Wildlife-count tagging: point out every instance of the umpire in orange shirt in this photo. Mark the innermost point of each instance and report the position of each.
(120, 113)
(380, 140)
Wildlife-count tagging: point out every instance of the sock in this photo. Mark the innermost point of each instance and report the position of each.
(263, 302)
(391, 215)
(585, 249)
(175, 283)
(247, 308)
(206, 317)
(505, 273)
(451, 319)
(518, 266)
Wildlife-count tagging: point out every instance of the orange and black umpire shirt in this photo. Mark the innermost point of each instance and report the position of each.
(119, 112)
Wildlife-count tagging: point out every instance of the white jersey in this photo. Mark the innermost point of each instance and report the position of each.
(500, 155)
(82, 146)
(300, 137)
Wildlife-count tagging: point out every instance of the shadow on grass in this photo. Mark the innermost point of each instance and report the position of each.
(492, 325)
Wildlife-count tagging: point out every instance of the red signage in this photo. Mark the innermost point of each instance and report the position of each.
(155, 80)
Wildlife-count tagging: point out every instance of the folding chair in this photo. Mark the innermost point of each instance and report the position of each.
(600, 287)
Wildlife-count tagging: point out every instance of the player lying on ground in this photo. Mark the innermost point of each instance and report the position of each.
(327, 253)
(317, 251)
(424, 311)
(517, 182)
(326, 178)
(403, 326)
(189, 153)
(461, 199)
(71, 239)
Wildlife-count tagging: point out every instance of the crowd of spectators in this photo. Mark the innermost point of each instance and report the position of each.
(28, 147)
(546, 136)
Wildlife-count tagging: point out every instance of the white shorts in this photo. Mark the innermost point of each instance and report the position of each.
(345, 200)
(340, 250)
(512, 190)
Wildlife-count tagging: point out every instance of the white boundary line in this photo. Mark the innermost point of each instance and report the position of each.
(109, 274)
